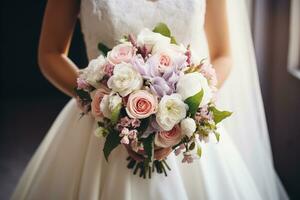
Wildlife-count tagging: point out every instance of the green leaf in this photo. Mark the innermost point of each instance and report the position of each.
(219, 115)
(199, 151)
(149, 147)
(116, 114)
(173, 40)
(103, 48)
(217, 136)
(144, 125)
(193, 102)
(84, 95)
(192, 146)
(101, 132)
(163, 29)
(111, 142)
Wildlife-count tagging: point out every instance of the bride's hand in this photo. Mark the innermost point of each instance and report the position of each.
(159, 153)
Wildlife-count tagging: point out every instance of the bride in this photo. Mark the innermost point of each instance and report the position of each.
(69, 163)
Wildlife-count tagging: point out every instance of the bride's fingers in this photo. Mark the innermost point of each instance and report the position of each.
(160, 154)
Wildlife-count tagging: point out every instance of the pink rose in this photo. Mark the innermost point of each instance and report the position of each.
(168, 138)
(165, 62)
(141, 104)
(96, 100)
(121, 53)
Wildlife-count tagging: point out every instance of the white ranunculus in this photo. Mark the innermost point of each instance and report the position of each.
(171, 110)
(188, 126)
(109, 103)
(125, 79)
(114, 101)
(95, 71)
(191, 83)
(150, 38)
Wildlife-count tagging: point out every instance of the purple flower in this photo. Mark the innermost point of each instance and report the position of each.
(160, 86)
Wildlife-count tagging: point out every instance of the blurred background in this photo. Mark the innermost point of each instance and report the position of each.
(25, 92)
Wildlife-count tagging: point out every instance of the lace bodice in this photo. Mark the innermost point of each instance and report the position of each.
(107, 21)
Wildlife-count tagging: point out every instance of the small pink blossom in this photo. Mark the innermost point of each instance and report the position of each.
(187, 158)
(125, 121)
(108, 69)
(179, 149)
(124, 134)
(124, 140)
(203, 114)
(132, 134)
(82, 84)
(135, 123)
(135, 145)
(188, 55)
(210, 73)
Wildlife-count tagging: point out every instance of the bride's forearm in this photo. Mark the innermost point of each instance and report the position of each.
(60, 71)
(223, 67)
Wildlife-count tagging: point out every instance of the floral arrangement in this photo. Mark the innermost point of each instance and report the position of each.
(150, 92)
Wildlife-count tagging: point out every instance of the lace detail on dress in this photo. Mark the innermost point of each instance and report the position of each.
(107, 20)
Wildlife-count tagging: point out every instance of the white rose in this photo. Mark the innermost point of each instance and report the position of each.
(191, 83)
(171, 110)
(95, 71)
(109, 103)
(150, 38)
(188, 126)
(158, 47)
(125, 79)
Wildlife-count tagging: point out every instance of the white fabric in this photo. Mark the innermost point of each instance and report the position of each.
(69, 163)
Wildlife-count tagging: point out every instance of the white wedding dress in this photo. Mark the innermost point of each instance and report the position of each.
(69, 163)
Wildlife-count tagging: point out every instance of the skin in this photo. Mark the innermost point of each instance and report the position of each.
(57, 29)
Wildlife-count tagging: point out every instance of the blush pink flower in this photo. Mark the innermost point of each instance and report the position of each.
(124, 134)
(108, 69)
(141, 104)
(168, 138)
(135, 123)
(96, 100)
(82, 84)
(165, 62)
(121, 53)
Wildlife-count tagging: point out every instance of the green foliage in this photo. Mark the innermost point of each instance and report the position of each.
(199, 151)
(103, 48)
(84, 95)
(193, 102)
(116, 114)
(149, 147)
(219, 115)
(163, 29)
(173, 40)
(217, 136)
(144, 125)
(111, 142)
(192, 146)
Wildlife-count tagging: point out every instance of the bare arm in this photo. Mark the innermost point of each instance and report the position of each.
(58, 25)
(217, 32)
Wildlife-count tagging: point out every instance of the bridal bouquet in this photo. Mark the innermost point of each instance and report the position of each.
(149, 92)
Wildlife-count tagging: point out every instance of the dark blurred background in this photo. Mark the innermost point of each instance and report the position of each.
(25, 92)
